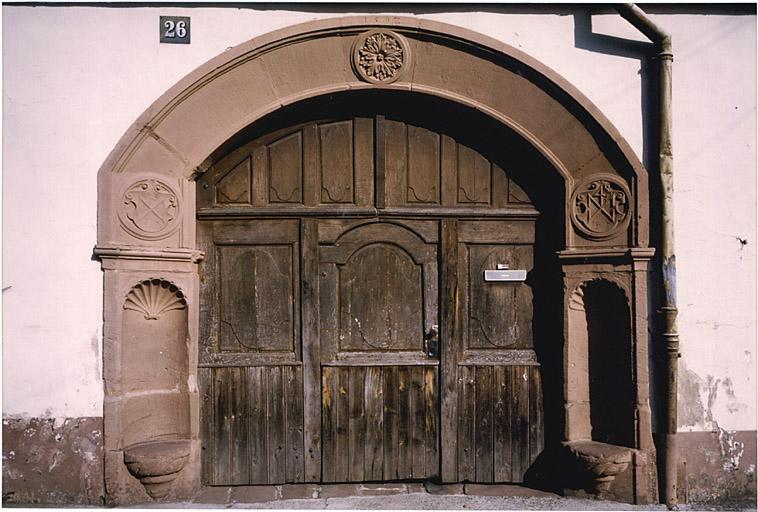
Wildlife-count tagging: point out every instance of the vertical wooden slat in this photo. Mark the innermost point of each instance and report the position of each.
(395, 162)
(328, 423)
(311, 165)
(221, 427)
(294, 417)
(466, 424)
(417, 422)
(484, 434)
(364, 161)
(390, 422)
(257, 427)
(207, 415)
(373, 401)
(260, 176)
(449, 165)
(449, 346)
(276, 426)
(523, 420)
(356, 424)
(535, 413)
(404, 448)
(311, 350)
(516, 422)
(341, 440)
(380, 171)
(241, 419)
(502, 427)
(431, 423)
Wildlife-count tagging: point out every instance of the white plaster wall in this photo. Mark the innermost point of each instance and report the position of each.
(76, 77)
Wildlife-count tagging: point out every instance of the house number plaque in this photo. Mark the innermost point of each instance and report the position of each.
(503, 274)
(175, 29)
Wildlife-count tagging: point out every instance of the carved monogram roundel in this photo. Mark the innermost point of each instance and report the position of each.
(600, 207)
(380, 56)
(149, 209)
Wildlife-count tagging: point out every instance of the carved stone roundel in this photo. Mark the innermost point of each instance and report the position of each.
(600, 207)
(380, 56)
(149, 209)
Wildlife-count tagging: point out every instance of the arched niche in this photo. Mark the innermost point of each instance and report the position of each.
(148, 184)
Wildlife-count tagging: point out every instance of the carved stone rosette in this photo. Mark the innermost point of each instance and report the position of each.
(149, 209)
(600, 207)
(380, 56)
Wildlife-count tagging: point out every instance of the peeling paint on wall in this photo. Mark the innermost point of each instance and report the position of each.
(53, 461)
(703, 400)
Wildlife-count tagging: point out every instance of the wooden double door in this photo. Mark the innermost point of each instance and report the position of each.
(342, 346)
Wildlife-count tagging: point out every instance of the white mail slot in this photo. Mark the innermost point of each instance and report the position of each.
(505, 275)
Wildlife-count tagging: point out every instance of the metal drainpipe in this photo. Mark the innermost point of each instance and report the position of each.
(665, 56)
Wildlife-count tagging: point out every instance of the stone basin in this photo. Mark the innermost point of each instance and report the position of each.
(157, 463)
(600, 461)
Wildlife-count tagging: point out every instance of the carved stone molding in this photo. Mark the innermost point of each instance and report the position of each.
(149, 209)
(600, 207)
(153, 297)
(380, 56)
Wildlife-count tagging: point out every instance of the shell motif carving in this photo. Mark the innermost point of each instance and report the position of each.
(149, 209)
(153, 297)
(600, 207)
(380, 56)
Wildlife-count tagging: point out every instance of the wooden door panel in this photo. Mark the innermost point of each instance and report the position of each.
(379, 423)
(252, 428)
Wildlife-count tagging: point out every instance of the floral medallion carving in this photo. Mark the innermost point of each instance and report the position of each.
(153, 297)
(149, 209)
(600, 207)
(380, 56)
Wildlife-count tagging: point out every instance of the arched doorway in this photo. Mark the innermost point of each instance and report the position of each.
(400, 357)
(351, 185)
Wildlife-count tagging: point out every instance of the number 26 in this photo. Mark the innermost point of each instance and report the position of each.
(175, 30)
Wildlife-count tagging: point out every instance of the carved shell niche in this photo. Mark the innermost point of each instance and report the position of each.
(153, 297)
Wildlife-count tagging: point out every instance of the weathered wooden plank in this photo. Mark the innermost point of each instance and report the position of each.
(336, 162)
(423, 166)
(258, 453)
(511, 231)
(260, 176)
(373, 392)
(234, 187)
(535, 414)
(240, 421)
(293, 394)
(499, 187)
(431, 423)
(211, 360)
(342, 410)
(364, 161)
(285, 169)
(276, 425)
(395, 161)
(474, 177)
(222, 427)
(523, 415)
(390, 422)
(417, 422)
(328, 423)
(404, 421)
(380, 171)
(346, 210)
(501, 423)
(466, 424)
(311, 165)
(449, 171)
(207, 415)
(260, 231)
(311, 351)
(356, 424)
(484, 433)
(449, 340)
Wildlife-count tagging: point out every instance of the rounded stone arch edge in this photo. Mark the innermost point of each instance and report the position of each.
(142, 128)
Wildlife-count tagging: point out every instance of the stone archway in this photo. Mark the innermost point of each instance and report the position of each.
(146, 217)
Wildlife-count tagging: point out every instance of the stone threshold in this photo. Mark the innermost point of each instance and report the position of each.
(268, 493)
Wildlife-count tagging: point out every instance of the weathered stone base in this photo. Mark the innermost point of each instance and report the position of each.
(717, 467)
(53, 462)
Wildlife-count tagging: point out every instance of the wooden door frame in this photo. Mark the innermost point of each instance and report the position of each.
(168, 147)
